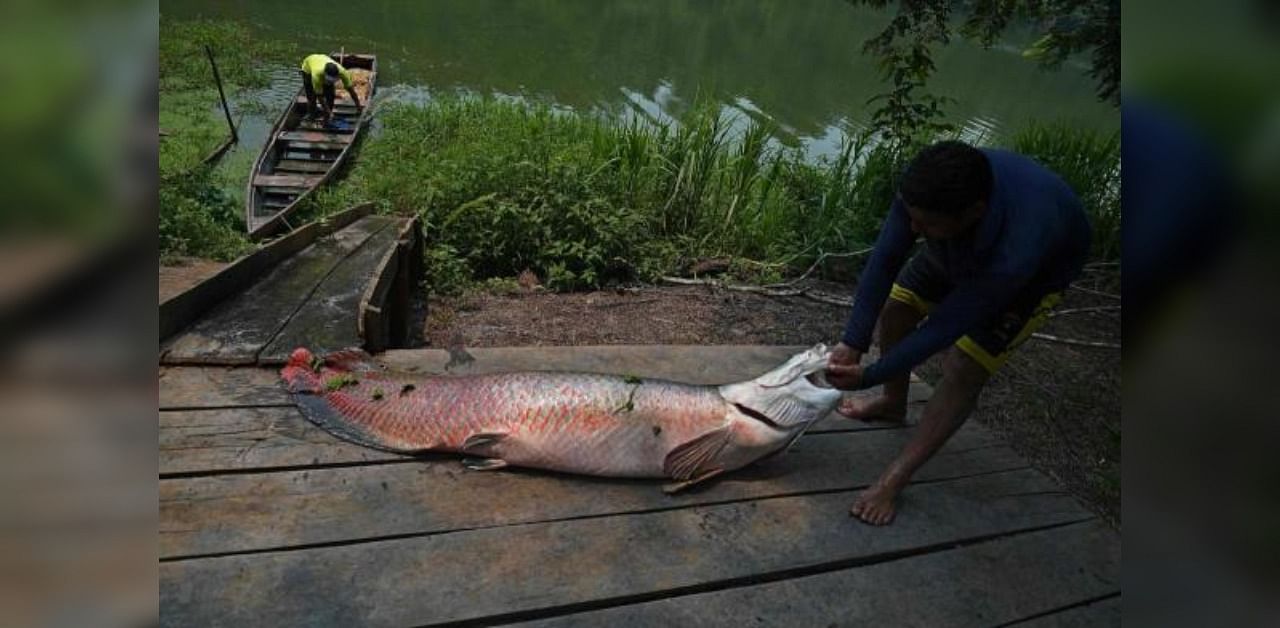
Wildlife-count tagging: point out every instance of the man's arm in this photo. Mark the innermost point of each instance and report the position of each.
(892, 246)
(968, 306)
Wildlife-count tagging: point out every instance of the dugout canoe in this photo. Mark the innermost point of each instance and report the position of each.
(300, 156)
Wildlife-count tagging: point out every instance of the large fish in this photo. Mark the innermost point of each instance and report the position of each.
(574, 422)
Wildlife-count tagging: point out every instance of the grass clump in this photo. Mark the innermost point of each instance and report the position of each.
(582, 201)
(198, 220)
(1089, 162)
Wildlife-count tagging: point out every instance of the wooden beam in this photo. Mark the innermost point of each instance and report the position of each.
(995, 583)
(315, 137)
(328, 320)
(294, 507)
(238, 329)
(497, 572)
(302, 165)
(181, 309)
(286, 180)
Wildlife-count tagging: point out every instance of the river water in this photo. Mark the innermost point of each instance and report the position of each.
(797, 63)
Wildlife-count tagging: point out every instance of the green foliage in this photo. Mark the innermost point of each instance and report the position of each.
(503, 187)
(198, 220)
(1090, 163)
(239, 54)
(908, 115)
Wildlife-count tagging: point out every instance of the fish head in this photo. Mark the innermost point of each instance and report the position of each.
(791, 396)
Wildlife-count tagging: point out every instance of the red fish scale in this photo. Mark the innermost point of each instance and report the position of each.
(568, 422)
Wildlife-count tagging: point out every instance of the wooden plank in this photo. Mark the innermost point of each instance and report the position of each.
(1105, 612)
(374, 318)
(315, 137)
(985, 584)
(321, 155)
(302, 165)
(203, 515)
(470, 575)
(212, 441)
(293, 145)
(286, 181)
(182, 387)
(236, 330)
(328, 320)
(183, 308)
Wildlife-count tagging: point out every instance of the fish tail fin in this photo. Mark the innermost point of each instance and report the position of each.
(319, 411)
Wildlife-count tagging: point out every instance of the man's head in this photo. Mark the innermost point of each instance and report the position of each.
(945, 189)
(330, 73)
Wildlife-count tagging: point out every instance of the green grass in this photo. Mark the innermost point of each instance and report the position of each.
(579, 199)
(1090, 163)
(196, 217)
(582, 201)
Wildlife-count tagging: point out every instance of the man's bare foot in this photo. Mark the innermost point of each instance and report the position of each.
(875, 505)
(877, 408)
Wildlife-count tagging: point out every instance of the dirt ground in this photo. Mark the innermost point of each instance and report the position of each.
(1056, 404)
(184, 273)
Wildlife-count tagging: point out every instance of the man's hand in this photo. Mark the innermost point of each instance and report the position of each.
(844, 370)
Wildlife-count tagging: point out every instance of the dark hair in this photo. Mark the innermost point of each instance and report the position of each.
(946, 178)
(331, 69)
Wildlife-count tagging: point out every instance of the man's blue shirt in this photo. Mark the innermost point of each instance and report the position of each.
(1034, 235)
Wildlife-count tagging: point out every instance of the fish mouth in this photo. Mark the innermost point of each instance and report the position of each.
(819, 379)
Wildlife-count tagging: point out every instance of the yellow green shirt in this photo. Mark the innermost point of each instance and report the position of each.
(313, 65)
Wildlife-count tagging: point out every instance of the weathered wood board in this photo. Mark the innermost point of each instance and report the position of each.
(237, 329)
(319, 505)
(502, 570)
(328, 320)
(266, 518)
(985, 584)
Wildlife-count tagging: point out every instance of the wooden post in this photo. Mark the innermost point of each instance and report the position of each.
(223, 97)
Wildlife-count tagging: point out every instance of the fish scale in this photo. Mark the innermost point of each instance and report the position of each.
(574, 422)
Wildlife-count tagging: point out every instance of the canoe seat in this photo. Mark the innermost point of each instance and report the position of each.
(303, 165)
(316, 137)
(286, 180)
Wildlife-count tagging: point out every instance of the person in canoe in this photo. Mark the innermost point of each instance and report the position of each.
(319, 74)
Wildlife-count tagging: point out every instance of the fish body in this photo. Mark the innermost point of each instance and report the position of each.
(584, 423)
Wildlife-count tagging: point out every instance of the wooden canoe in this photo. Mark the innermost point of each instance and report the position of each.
(301, 155)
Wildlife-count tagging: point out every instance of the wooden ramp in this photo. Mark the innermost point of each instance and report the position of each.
(332, 285)
(264, 518)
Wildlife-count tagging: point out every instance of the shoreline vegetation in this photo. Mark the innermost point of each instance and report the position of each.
(580, 200)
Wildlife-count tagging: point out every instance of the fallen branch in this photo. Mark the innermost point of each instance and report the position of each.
(1076, 310)
(624, 302)
(1073, 341)
(818, 262)
(821, 297)
(1097, 292)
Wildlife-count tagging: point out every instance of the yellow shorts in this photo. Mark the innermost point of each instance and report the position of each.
(991, 347)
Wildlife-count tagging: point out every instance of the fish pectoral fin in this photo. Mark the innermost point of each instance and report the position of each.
(480, 442)
(484, 464)
(676, 487)
(693, 457)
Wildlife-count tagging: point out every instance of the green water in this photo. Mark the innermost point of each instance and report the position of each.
(795, 62)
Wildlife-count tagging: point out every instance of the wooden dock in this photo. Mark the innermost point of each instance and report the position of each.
(341, 283)
(267, 520)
